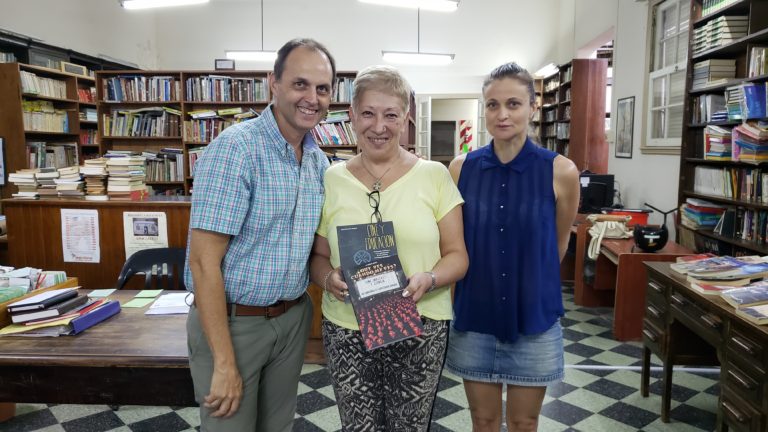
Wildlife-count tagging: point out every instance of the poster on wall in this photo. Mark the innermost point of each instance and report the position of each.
(144, 230)
(80, 236)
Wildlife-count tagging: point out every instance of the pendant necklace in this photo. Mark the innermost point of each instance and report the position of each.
(377, 180)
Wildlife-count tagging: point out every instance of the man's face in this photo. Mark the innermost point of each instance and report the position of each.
(303, 93)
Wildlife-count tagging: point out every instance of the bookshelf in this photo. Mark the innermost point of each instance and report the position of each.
(52, 131)
(721, 61)
(536, 129)
(573, 113)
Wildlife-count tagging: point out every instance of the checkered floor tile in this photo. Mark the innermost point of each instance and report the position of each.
(599, 393)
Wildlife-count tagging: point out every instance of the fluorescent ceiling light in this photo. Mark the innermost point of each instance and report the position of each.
(147, 4)
(435, 5)
(417, 58)
(258, 56)
(547, 70)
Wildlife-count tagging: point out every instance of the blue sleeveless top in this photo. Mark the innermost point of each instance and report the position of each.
(512, 286)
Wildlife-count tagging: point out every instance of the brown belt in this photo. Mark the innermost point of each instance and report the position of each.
(271, 311)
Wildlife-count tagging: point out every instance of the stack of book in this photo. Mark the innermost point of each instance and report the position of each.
(57, 312)
(95, 173)
(733, 98)
(724, 270)
(713, 72)
(719, 31)
(167, 165)
(696, 213)
(750, 143)
(758, 62)
(126, 178)
(26, 182)
(70, 184)
(717, 143)
(709, 108)
(46, 182)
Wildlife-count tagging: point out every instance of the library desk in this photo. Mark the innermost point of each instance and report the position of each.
(131, 358)
(619, 280)
(683, 327)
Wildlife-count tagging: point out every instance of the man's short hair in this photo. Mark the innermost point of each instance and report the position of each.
(282, 54)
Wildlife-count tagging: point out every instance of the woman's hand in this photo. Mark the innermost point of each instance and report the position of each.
(336, 285)
(418, 285)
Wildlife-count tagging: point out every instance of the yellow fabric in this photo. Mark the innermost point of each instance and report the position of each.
(415, 203)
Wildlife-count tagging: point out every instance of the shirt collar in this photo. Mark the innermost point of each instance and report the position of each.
(281, 144)
(520, 163)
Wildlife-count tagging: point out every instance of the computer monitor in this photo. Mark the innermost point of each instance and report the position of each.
(596, 192)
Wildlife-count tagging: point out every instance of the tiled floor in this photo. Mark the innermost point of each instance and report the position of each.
(599, 393)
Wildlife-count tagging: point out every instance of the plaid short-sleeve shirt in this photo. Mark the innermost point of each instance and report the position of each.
(249, 185)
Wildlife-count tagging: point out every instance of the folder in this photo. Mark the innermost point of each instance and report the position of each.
(94, 317)
(43, 300)
(56, 310)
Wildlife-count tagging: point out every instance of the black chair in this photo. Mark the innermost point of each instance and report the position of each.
(163, 265)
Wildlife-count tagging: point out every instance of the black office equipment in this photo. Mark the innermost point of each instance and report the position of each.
(596, 192)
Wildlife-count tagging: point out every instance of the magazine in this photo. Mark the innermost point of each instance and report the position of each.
(376, 281)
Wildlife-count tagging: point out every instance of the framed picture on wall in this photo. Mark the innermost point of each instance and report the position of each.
(224, 64)
(625, 116)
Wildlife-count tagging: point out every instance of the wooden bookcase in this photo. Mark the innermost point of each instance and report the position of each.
(536, 131)
(692, 144)
(12, 127)
(573, 113)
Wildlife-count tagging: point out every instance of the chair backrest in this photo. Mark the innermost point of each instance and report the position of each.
(163, 265)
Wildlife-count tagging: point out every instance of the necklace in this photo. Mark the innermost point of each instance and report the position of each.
(377, 180)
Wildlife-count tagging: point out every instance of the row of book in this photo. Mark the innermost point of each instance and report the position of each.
(337, 133)
(167, 165)
(219, 88)
(140, 88)
(746, 184)
(143, 122)
(41, 86)
(713, 72)
(7, 57)
(88, 137)
(86, 94)
(712, 6)
(708, 108)
(697, 214)
(51, 154)
(41, 116)
(747, 142)
(737, 280)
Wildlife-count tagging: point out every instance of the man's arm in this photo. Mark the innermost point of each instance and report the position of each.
(567, 190)
(206, 252)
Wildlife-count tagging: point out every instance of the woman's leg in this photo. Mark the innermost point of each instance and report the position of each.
(484, 405)
(523, 407)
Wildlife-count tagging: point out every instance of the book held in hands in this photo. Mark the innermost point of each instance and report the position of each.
(376, 281)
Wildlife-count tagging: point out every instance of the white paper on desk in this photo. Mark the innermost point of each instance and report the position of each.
(173, 303)
(144, 230)
(80, 235)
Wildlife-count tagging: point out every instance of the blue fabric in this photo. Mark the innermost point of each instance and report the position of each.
(249, 185)
(512, 286)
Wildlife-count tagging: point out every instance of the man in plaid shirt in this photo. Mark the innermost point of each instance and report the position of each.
(257, 199)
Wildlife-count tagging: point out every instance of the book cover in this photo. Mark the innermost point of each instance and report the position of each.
(43, 300)
(750, 295)
(55, 310)
(708, 289)
(755, 314)
(94, 317)
(376, 281)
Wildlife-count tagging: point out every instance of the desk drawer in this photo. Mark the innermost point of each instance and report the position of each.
(653, 337)
(748, 347)
(740, 415)
(656, 312)
(742, 382)
(706, 324)
(656, 292)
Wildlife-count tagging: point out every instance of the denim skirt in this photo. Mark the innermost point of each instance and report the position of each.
(532, 360)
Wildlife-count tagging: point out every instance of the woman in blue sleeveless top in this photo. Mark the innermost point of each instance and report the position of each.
(520, 202)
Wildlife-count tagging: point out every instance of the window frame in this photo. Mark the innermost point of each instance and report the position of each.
(666, 144)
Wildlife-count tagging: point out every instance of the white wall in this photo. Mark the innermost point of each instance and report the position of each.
(643, 178)
(482, 35)
(455, 110)
(89, 26)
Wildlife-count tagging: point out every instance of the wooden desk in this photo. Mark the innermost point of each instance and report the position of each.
(619, 280)
(682, 326)
(131, 358)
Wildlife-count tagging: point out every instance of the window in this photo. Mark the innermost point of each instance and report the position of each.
(666, 80)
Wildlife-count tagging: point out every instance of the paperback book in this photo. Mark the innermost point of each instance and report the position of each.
(756, 314)
(750, 295)
(376, 281)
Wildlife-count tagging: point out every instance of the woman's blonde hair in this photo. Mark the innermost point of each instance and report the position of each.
(385, 79)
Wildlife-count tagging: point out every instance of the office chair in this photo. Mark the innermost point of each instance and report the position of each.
(163, 265)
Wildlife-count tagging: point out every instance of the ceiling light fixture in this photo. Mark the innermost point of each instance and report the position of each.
(254, 55)
(418, 57)
(547, 70)
(435, 5)
(149, 4)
